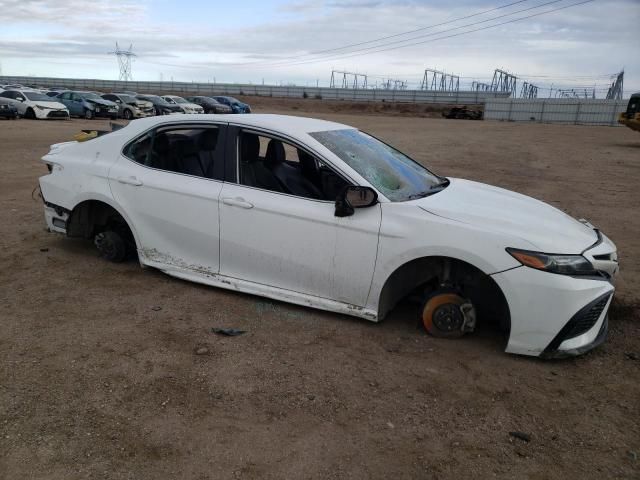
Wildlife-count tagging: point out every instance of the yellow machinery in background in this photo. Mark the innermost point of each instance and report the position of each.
(631, 118)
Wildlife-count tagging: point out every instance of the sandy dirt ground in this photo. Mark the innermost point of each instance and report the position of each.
(99, 376)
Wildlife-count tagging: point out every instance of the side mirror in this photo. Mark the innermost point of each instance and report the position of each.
(353, 197)
(20, 99)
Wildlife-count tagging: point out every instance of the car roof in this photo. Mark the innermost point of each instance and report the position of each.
(267, 121)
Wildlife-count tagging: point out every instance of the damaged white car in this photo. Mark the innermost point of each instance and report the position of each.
(321, 214)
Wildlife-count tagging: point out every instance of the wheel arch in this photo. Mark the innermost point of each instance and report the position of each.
(426, 272)
(96, 205)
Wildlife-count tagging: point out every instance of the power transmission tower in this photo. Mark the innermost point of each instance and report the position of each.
(617, 88)
(347, 80)
(503, 82)
(528, 90)
(124, 61)
(439, 81)
(392, 84)
(480, 86)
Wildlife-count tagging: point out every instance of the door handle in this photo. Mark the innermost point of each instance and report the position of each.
(130, 181)
(237, 202)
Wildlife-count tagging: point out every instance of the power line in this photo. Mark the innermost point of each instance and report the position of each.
(377, 49)
(318, 52)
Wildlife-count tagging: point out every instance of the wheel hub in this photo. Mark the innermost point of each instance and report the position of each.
(448, 317)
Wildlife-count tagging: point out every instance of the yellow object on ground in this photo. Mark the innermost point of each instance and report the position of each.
(85, 135)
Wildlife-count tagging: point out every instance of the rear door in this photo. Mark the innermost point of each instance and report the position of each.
(168, 181)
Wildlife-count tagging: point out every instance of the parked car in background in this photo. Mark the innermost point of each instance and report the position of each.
(186, 107)
(161, 106)
(209, 104)
(130, 107)
(88, 105)
(7, 110)
(54, 93)
(322, 214)
(35, 105)
(236, 105)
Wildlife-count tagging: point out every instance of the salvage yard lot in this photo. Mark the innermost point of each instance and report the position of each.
(99, 376)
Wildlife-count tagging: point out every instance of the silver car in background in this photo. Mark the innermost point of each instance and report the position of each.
(187, 107)
(129, 106)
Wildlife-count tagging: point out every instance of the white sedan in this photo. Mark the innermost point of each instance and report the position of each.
(324, 215)
(186, 107)
(32, 104)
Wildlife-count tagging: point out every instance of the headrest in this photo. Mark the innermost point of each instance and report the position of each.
(208, 139)
(275, 153)
(161, 143)
(249, 147)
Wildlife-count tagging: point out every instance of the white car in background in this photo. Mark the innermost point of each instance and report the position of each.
(35, 105)
(186, 107)
(323, 215)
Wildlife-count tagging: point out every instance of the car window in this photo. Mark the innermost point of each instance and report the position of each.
(188, 150)
(394, 174)
(7, 94)
(270, 163)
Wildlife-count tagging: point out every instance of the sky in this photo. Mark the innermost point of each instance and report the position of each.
(302, 41)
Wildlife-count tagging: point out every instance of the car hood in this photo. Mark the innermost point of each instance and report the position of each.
(141, 104)
(538, 225)
(106, 103)
(55, 105)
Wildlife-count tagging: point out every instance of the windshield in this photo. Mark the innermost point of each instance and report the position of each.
(35, 96)
(179, 100)
(154, 99)
(92, 96)
(127, 99)
(395, 175)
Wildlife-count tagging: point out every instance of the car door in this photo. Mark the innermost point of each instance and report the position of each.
(293, 242)
(171, 202)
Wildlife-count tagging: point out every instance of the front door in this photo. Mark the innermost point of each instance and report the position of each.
(278, 227)
(168, 182)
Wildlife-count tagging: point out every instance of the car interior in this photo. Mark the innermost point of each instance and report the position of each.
(272, 164)
(187, 151)
(266, 163)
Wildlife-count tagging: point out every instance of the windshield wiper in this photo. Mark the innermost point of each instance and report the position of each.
(433, 189)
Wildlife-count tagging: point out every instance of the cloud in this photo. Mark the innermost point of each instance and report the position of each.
(592, 39)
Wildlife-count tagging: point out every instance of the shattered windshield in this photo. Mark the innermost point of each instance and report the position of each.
(396, 176)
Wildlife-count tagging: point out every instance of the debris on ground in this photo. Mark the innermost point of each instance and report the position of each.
(156, 309)
(202, 351)
(631, 356)
(525, 437)
(463, 113)
(44, 249)
(229, 332)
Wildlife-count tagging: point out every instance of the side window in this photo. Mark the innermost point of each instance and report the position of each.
(186, 150)
(65, 96)
(272, 164)
(113, 98)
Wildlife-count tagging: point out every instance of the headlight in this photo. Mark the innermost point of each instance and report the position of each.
(554, 263)
(40, 107)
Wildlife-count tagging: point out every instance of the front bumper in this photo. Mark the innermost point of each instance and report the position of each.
(541, 305)
(105, 112)
(8, 113)
(51, 113)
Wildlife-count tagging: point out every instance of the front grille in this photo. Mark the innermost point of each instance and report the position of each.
(57, 114)
(581, 322)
